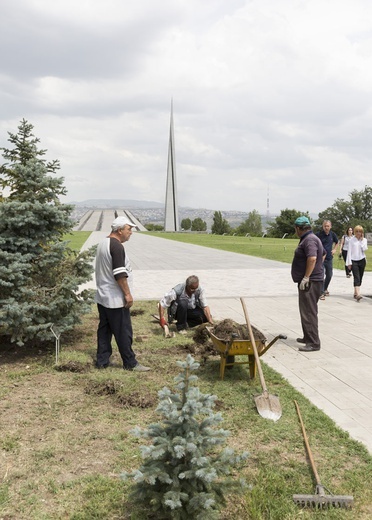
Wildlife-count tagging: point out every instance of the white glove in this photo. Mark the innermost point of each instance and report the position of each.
(304, 284)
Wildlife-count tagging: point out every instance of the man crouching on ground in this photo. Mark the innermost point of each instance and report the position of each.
(187, 304)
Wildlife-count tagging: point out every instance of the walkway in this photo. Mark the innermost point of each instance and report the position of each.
(337, 379)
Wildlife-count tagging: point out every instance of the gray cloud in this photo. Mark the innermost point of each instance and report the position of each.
(266, 95)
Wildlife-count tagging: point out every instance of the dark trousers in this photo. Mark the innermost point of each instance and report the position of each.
(308, 305)
(117, 323)
(358, 266)
(328, 273)
(344, 255)
(188, 317)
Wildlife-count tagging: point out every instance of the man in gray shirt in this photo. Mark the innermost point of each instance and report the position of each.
(114, 297)
(307, 272)
(187, 304)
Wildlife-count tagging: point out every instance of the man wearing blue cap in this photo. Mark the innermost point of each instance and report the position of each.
(307, 272)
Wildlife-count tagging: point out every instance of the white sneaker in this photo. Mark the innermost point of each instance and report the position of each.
(140, 368)
(183, 332)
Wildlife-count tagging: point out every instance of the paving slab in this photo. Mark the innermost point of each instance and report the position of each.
(337, 379)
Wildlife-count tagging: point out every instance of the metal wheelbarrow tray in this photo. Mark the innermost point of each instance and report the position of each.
(240, 347)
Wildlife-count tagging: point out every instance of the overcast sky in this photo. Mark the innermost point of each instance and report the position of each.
(269, 97)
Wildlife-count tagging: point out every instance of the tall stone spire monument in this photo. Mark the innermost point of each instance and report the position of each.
(171, 205)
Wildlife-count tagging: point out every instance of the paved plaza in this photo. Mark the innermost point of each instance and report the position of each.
(337, 379)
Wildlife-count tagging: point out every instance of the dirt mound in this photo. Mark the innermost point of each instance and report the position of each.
(225, 329)
(137, 312)
(116, 389)
(73, 366)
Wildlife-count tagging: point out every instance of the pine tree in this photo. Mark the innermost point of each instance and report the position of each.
(182, 475)
(39, 274)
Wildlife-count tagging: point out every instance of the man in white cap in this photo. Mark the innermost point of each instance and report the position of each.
(114, 297)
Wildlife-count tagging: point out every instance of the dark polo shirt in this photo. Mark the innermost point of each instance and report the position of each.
(328, 241)
(309, 245)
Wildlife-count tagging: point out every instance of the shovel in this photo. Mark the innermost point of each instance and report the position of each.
(268, 406)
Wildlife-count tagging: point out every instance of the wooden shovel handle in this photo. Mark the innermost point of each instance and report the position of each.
(253, 341)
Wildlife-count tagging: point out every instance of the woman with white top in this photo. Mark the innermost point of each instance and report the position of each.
(356, 259)
(344, 247)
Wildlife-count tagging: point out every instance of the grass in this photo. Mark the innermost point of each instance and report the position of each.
(66, 432)
(76, 239)
(271, 248)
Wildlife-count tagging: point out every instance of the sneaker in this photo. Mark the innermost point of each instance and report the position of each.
(139, 368)
(358, 298)
(348, 276)
(300, 340)
(322, 297)
(326, 293)
(183, 332)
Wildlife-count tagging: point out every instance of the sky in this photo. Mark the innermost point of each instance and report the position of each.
(271, 99)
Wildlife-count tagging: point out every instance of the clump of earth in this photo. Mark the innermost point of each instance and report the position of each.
(226, 329)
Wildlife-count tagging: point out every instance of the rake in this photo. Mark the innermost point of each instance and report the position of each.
(320, 500)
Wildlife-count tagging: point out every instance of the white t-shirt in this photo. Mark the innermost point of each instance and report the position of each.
(111, 262)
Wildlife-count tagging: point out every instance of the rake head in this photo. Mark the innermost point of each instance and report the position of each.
(322, 501)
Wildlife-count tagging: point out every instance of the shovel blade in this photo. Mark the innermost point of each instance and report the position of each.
(268, 406)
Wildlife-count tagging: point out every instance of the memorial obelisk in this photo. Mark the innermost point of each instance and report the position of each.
(171, 206)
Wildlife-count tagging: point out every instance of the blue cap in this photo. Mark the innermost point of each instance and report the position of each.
(302, 221)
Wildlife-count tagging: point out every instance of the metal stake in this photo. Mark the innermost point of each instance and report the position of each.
(57, 343)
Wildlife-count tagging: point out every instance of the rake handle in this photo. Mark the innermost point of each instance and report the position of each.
(253, 341)
(309, 452)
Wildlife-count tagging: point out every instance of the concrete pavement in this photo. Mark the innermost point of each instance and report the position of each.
(337, 379)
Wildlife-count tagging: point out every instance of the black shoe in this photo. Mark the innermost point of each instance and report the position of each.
(300, 340)
(308, 348)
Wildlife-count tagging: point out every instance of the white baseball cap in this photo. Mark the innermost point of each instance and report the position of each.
(120, 222)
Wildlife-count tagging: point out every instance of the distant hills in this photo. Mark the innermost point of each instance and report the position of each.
(153, 212)
(118, 203)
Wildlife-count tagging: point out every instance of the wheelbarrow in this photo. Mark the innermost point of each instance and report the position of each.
(234, 346)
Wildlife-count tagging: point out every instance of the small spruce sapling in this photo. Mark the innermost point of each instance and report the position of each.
(183, 476)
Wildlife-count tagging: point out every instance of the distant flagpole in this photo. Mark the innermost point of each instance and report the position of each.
(171, 205)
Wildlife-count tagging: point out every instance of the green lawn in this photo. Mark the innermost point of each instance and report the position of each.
(66, 428)
(76, 239)
(66, 432)
(271, 248)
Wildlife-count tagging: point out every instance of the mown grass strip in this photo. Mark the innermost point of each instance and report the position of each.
(271, 248)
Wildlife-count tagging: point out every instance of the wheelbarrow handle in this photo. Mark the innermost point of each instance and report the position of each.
(266, 348)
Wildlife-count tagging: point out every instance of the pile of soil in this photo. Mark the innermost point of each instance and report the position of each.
(227, 328)
(117, 389)
(224, 330)
(73, 366)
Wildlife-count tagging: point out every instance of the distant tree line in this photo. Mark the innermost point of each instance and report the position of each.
(357, 209)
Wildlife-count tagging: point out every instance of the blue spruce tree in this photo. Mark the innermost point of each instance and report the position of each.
(39, 274)
(183, 475)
